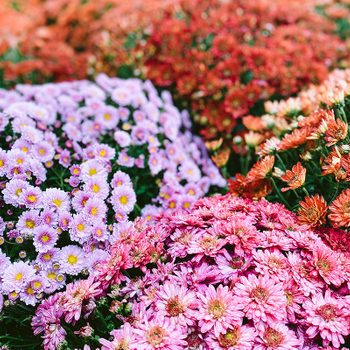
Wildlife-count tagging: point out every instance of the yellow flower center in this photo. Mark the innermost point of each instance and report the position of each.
(37, 285)
(92, 171)
(30, 224)
(72, 259)
(45, 238)
(107, 116)
(31, 198)
(57, 202)
(42, 151)
(80, 227)
(19, 276)
(94, 211)
(124, 200)
(95, 188)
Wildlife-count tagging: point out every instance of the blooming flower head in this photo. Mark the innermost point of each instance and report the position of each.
(295, 178)
(72, 259)
(328, 317)
(123, 198)
(216, 310)
(158, 333)
(45, 238)
(16, 276)
(261, 298)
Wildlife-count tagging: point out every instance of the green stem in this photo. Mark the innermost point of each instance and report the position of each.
(279, 194)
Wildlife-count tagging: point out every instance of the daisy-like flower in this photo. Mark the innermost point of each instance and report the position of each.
(236, 337)
(122, 96)
(92, 168)
(277, 337)
(97, 186)
(72, 259)
(28, 221)
(328, 265)
(103, 152)
(31, 197)
(261, 169)
(271, 263)
(340, 210)
(121, 338)
(337, 130)
(123, 198)
(13, 190)
(190, 171)
(56, 199)
(158, 333)
(217, 309)
(177, 303)
(327, 316)
(120, 178)
(16, 276)
(261, 298)
(125, 160)
(95, 209)
(295, 178)
(122, 138)
(43, 151)
(313, 210)
(45, 238)
(231, 266)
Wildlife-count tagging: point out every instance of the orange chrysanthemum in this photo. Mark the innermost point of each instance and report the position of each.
(221, 158)
(295, 139)
(333, 164)
(312, 210)
(261, 168)
(295, 177)
(337, 131)
(237, 185)
(340, 210)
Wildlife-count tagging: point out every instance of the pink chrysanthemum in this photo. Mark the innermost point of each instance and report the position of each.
(329, 317)
(277, 337)
(158, 333)
(177, 303)
(262, 298)
(217, 310)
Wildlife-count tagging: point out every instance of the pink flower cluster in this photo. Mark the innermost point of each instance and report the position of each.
(228, 274)
(77, 161)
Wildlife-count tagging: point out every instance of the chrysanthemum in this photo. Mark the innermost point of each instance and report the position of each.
(56, 199)
(337, 130)
(261, 298)
(158, 333)
(121, 95)
(295, 178)
(340, 210)
(28, 221)
(80, 228)
(97, 186)
(217, 309)
(190, 172)
(328, 317)
(277, 337)
(31, 197)
(72, 259)
(120, 178)
(234, 338)
(92, 168)
(43, 151)
(177, 303)
(312, 210)
(328, 264)
(103, 152)
(13, 190)
(122, 138)
(271, 263)
(95, 209)
(121, 339)
(16, 276)
(45, 238)
(123, 198)
(261, 169)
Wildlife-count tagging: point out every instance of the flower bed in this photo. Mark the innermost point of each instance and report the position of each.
(303, 145)
(77, 161)
(225, 57)
(228, 274)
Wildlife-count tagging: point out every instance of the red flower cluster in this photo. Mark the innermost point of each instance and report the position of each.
(225, 56)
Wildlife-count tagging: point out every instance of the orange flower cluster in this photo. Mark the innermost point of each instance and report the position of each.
(305, 154)
(69, 39)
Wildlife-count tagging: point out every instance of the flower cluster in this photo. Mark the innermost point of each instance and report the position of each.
(303, 144)
(219, 57)
(77, 161)
(60, 39)
(228, 274)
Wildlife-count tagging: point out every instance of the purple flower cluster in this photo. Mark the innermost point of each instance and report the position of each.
(78, 160)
